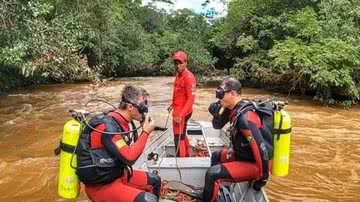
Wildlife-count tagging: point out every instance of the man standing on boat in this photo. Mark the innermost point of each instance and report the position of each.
(182, 103)
(247, 158)
(107, 149)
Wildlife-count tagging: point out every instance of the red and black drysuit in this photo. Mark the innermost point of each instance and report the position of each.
(249, 156)
(104, 162)
(183, 100)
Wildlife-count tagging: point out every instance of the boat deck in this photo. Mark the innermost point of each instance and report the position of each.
(192, 170)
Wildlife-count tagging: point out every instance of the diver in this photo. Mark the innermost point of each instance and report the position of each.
(247, 157)
(107, 150)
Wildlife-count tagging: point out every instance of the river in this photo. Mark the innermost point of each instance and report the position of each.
(325, 152)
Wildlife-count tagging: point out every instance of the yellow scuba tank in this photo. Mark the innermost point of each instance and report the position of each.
(282, 126)
(69, 184)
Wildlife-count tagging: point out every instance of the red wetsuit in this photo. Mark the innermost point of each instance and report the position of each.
(183, 100)
(140, 186)
(246, 162)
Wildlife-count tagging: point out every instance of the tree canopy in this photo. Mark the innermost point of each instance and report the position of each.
(308, 46)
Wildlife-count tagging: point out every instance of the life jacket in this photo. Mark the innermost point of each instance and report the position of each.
(97, 166)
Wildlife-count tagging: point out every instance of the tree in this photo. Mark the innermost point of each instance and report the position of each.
(307, 46)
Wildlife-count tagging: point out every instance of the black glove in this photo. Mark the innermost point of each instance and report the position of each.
(214, 108)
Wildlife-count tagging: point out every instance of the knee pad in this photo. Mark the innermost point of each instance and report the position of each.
(146, 197)
(213, 171)
(153, 179)
(149, 197)
(215, 158)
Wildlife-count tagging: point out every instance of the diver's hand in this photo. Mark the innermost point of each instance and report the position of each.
(229, 154)
(148, 125)
(170, 108)
(177, 119)
(227, 131)
(214, 108)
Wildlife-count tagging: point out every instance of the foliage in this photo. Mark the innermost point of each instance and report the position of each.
(308, 46)
(66, 40)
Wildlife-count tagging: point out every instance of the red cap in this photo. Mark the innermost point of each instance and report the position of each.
(180, 55)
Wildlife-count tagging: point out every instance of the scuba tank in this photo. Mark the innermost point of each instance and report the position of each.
(282, 133)
(69, 185)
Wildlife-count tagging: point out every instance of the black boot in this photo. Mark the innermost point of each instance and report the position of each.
(258, 184)
(198, 194)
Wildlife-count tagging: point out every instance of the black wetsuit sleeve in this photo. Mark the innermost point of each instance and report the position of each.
(219, 121)
(259, 149)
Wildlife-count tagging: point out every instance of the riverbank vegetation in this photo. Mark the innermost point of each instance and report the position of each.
(300, 46)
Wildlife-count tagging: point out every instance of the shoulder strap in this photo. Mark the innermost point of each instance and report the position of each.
(240, 110)
(261, 110)
(135, 133)
(109, 120)
(100, 119)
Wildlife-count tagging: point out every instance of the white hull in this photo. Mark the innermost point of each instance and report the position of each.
(191, 170)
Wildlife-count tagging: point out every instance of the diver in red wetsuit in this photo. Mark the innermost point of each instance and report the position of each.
(105, 153)
(182, 103)
(247, 158)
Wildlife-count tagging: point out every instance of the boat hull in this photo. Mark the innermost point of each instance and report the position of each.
(192, 170)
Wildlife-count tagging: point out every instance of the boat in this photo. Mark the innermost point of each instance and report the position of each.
(159, 157)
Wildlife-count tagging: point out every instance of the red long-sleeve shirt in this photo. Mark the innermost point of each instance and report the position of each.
(184, 93)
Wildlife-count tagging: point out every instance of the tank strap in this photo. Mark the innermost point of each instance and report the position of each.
(280, 131)
(280, 126)
(65, 147)
(135, 135)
